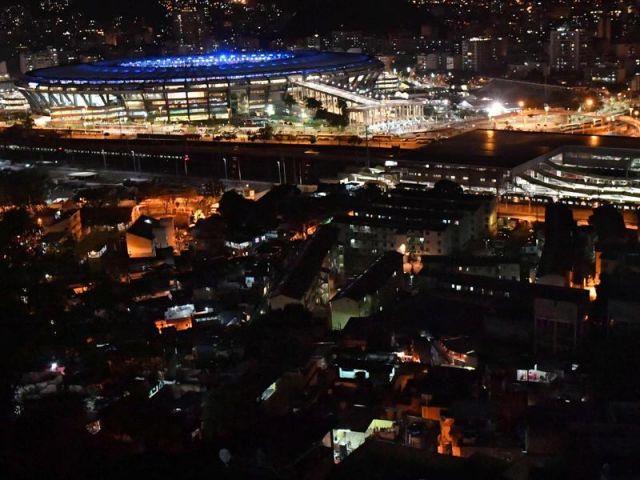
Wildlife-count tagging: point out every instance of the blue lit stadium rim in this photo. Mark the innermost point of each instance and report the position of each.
(206, 60)
(197, 68)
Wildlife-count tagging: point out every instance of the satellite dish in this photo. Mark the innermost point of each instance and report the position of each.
(225, 456)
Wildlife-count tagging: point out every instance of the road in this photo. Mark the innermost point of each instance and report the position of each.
(117, 177)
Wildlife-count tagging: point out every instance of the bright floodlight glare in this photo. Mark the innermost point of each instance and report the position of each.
(495, 109)
(54, 366)
(269, 109)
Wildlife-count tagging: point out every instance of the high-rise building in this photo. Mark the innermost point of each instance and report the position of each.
(189, 19)
(477, 54)
(567, 49)
(40, 59)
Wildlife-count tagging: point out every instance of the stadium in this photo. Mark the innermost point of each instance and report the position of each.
(189, 87)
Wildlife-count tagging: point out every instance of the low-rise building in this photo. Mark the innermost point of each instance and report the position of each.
(64, 222)
(368, 293)
(558, 312)
(307, 283)
(147, 235)
(486, 266)
(620, 293)
(412, 220)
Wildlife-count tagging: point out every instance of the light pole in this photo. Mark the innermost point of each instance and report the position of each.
(546, 112)
(521, 104)
(366, 141)
(226, 173)
(133, 157)
(279, 173)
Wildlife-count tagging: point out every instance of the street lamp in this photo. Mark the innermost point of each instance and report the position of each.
(546, 112)
(226, 174)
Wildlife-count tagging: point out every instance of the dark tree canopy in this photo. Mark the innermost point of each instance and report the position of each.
(447, 187)
(23, 187)
(15, 222)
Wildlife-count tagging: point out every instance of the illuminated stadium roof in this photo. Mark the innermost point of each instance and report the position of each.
(219, 66)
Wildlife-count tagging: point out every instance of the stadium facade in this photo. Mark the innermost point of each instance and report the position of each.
(189, 87)
(581, 170)
(582, 173)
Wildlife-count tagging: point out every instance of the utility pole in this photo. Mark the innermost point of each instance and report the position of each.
(133, 157)
(284, 170)
(366, 140)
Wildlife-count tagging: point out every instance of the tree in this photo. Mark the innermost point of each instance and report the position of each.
(447, 187)
(312, 103)
(609, 225)
(332, 119)
(235, 209)
(288, 100)
(342, 105)
(24, 187)
(370, 192)
(15, 222)
(28, 122)
(344, 112)
(266, 132)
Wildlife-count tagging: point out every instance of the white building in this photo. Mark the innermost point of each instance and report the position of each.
(41, 59)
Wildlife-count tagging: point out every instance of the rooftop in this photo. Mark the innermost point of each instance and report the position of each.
(105, 215)
(307, 264)
(219, 66)
(143, 227)
(374, 278)
(515, 287)
(476, 260)
(383, 460)
(432, 224)
(508, 149)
